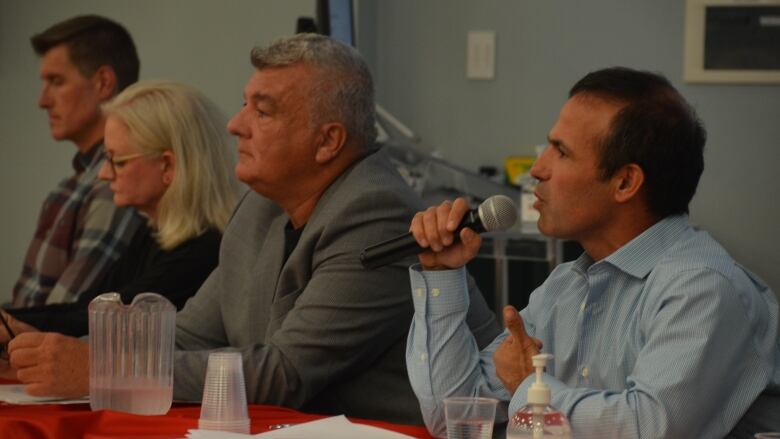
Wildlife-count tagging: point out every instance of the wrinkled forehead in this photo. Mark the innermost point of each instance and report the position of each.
(584, 121)
(116, 136)
(599, 102)
(56, 59)
(281, 80)
(288, 89)
(591, 113)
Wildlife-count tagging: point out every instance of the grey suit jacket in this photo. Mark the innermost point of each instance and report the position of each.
(319, 332)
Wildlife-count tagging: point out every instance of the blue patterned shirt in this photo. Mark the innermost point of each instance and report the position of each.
(668, 337)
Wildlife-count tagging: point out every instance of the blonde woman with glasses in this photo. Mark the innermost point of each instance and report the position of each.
(167, 156)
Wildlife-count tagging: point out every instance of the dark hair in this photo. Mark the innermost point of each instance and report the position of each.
(656, 129)
(92, 42)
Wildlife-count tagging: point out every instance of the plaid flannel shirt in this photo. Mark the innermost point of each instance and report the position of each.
(80, 233)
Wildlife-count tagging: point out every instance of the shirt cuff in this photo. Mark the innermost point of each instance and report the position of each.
(439, 292)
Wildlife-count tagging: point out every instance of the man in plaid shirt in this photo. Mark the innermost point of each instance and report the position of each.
(85, 61)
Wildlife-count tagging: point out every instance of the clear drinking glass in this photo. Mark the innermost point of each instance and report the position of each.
(470, 417)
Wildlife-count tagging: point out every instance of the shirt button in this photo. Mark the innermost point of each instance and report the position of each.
(585, 372)
(435, 292)
(423, 356)
(582, 307)
(419, 292)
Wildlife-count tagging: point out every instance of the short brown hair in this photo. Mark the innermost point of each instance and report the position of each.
(92, 42)
(656, 129)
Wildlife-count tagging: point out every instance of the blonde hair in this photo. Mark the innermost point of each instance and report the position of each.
(167, 116)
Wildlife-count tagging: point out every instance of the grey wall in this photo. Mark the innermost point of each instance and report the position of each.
(543, 47)
(417, 51)
(203, 43)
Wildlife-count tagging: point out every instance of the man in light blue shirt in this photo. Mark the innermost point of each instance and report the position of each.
(656, 331)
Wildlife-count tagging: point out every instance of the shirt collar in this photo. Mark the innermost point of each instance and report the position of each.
(641, 254)
(83, 161)
(582, 263)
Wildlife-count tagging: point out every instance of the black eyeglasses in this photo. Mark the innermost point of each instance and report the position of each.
(119, 161)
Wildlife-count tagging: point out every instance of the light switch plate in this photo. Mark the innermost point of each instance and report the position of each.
(481, 55)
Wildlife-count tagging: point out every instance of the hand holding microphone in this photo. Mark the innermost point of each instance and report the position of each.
(445, 236)
(436, 230)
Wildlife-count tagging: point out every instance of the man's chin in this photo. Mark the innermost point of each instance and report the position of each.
(544, 227)
(120, 201)
(244, 174)
(59, 135)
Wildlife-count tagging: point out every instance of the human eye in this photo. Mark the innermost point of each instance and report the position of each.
(116, 163)
(261, 111)
(558, 148)
(54, 80)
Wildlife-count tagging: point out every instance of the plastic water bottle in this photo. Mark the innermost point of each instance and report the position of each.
(538, 419)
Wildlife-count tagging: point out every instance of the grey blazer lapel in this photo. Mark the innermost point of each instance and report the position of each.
(269, 264)
(265, 274)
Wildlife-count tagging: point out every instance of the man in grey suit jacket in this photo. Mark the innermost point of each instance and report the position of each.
(316, 330)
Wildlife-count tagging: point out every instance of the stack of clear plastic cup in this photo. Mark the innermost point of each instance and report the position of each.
(224, 394)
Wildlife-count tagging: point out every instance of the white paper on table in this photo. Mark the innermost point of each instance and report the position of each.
(336, 427)
(15, 394)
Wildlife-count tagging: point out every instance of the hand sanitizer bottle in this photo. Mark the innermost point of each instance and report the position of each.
(538, 419)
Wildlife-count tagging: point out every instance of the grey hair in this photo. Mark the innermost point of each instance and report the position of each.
(343, 90)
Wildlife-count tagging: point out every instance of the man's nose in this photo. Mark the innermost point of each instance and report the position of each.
(235, 125)
(44, 100)
(540, 170)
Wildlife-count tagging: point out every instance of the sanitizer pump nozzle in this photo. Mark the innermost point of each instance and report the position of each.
(538, 419)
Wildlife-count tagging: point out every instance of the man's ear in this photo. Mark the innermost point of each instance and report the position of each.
(627, 182)
(331, 140)
(169, 167)
(105, 81)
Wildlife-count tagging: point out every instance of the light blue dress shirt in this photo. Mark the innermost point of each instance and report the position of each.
(668, 337)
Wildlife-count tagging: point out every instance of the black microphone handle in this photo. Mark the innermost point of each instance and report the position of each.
(400, 247)
(389, 251)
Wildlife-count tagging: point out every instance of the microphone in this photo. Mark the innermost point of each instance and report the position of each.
(496, 213)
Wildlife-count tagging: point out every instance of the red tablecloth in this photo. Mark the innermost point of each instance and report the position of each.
(77, 421)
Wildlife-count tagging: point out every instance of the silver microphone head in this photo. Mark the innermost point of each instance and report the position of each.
(497, 213)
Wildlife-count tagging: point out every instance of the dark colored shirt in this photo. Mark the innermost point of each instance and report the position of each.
(291, 238)
(144, 267)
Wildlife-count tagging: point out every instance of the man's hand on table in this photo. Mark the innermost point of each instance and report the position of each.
(51, 364)
(513, 356)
